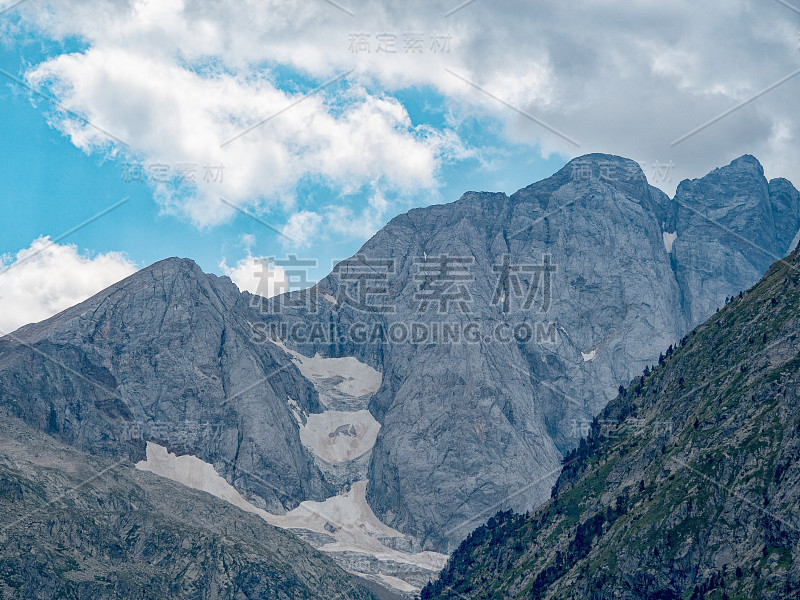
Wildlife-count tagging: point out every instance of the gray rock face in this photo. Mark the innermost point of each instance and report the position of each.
(473, 418)
(731, 225)
(785, 200)
(166, 356)
(688, 487)
(472, 427)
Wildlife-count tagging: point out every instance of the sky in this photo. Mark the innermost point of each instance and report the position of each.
(132, 131)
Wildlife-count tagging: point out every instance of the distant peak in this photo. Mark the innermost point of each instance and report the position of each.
(174, 265)
(746, 161)
(604, 167)
(599, 157)
(170, 269)
(746, 165)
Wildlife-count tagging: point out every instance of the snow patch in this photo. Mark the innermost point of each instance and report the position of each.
(589, 356)
(194, 473)
(352, 377)
(297, 411)
(669, 240)
(355, 526)
(338, 436)
(795, 241)
(394, 582)
(349, 513)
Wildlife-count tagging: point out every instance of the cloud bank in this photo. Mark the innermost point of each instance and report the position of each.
(46, 278)
(178, 79)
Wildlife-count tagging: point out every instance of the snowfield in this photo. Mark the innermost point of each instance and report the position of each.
(342, 433)
(347, 517)
(669, 240)
(347, 375)
(338, 436)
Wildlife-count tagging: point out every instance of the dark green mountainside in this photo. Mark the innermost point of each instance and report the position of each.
(687, 487)
(83, 527)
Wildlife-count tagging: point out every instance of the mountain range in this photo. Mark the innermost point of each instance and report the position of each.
(436, 377)
(466, 424)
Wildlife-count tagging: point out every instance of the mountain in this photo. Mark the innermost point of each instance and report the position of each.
(164, 367)
(688, 486)
(732, 225)
(472, 426)
(166, 356)
(435, 377)
(85, 527)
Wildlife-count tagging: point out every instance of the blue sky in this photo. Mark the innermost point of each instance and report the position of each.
(489, 97)
(50, 186)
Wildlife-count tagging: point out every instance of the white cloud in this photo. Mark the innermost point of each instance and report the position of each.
(301, 228)
(171, 115)
(257, 276)
(343, 221)
(47, 278)
(248, 240)
(621, 76)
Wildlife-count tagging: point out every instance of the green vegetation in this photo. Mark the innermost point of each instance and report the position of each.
(690, 489)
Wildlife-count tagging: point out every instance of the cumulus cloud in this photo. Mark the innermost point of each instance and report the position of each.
(175, 118)
(302, 228)
(344, 221)
(44, 279)
(176, 78)
(257, 276)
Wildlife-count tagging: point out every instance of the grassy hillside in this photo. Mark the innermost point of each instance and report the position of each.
(81, 527)
(688, 486)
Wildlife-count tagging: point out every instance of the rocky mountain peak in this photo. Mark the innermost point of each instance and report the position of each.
(744, 173)
(746, 162)
(607, 166)
(588, 175)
